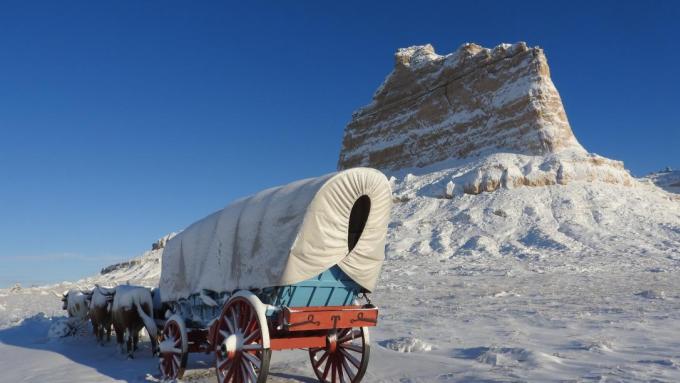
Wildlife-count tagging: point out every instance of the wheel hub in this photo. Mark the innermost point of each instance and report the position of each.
(332, 341)
(232, 345)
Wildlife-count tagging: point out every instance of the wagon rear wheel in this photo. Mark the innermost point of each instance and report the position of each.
(240, 355)
(173, 347)
(345, 357)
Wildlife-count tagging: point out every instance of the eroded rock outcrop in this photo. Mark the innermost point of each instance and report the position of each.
(471, 105)
(432, 107)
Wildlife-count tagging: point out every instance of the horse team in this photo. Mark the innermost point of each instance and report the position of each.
(126, 308)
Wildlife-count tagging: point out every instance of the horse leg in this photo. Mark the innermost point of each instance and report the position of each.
(130, 349)
(135, 340)
(120, 338)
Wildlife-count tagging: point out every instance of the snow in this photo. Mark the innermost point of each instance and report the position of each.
(100, 296)
(667, 179)
(168, 345)
(77, 303)
(548, 283)
(407, 344)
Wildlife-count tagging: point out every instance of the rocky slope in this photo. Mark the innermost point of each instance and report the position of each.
(433, 111)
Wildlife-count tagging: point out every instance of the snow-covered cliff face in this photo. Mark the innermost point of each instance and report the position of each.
(432, 108)
(436, 111)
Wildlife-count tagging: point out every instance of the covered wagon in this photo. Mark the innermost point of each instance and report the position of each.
(287, 268)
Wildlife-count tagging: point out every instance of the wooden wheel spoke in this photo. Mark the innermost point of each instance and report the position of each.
(229, 376)
(252, 347)
(350, 335)
(174, 369)
(224, 364)
(351, 347)
(338, 367)
(323, 357)
(227, 321)
(238, 317)
(254, 361)
(250, 369)
(234, 314)
(252, 336)
(248, 321)
(348, 369)
(327, 368)
(344, 332)
(245, 376)
(333, 369)
(351, 358)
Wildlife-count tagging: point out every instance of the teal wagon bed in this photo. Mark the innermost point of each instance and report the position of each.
(288, 268)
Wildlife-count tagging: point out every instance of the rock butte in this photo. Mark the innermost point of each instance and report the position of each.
(472, 104)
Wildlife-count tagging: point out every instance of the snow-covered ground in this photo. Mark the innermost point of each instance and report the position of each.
(577, 282)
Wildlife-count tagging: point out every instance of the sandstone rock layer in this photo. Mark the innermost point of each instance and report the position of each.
(474, 101)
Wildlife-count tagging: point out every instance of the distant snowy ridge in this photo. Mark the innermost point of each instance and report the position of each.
(667, 179)
(152, 256)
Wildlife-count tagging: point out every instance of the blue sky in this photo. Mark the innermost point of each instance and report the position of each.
(122, 121)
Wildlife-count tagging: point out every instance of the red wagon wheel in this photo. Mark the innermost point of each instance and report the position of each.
(173, 346)
(239, 347)
(345, 357)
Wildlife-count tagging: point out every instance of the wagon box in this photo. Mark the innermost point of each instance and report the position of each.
(285, 268)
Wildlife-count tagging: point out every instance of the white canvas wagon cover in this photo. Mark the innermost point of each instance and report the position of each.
(284, 235)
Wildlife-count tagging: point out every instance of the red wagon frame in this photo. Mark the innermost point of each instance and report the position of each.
(246, 331)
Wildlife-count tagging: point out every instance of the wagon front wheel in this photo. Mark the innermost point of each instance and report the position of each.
(173, 347)
(240, 355)
(345, 357)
